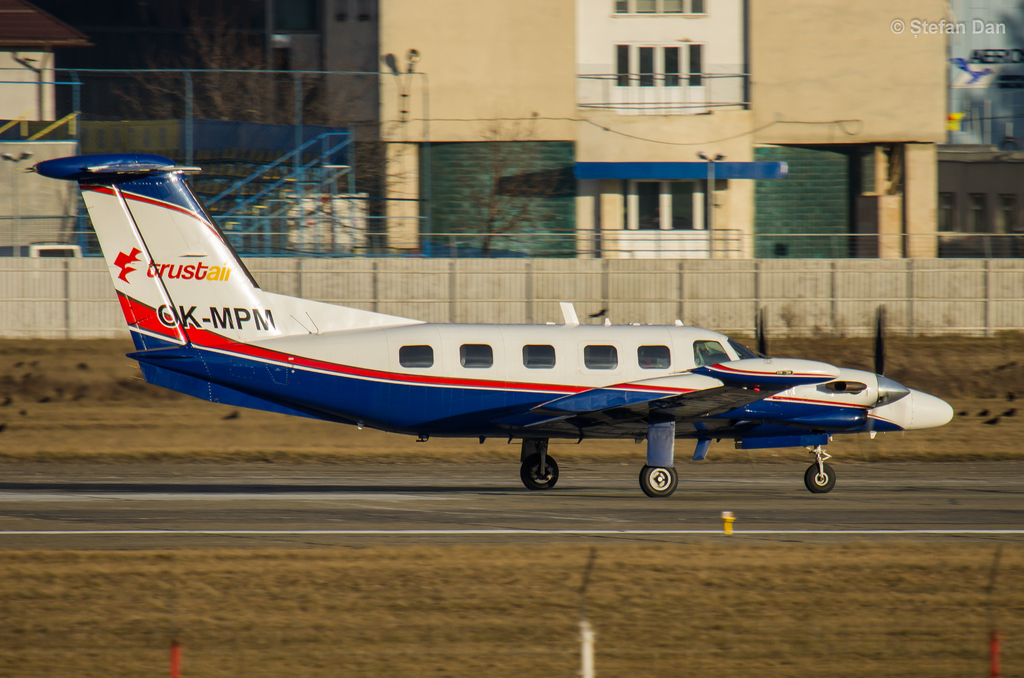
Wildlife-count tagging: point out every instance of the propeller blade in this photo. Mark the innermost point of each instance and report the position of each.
(762, 336)
(880, 341)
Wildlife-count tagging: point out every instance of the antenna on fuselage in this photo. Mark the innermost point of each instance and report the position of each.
(569, 313)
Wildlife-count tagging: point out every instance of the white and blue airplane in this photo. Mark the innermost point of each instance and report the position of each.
(202, 326)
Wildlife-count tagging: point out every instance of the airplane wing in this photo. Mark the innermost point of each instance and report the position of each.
(690, 398)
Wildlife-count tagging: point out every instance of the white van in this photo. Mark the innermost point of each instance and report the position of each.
(54, 249)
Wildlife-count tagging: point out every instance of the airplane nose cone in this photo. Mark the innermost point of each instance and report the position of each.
(929, 411)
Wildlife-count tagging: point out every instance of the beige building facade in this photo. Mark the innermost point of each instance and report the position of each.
(825, 87)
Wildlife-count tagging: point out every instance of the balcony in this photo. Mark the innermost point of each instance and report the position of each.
(660, 94)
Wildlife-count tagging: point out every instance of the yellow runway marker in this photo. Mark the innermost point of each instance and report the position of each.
(727, 519)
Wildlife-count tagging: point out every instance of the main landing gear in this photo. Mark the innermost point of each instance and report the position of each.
(538, 470)
(819, 476)
(657, 481)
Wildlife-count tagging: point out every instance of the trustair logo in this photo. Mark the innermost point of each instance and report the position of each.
(196, 271)
(122, 262)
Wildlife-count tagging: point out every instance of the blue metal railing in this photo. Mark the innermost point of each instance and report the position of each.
(296, 175)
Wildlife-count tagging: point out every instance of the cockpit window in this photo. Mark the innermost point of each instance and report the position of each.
(709, 353)
(743, 352)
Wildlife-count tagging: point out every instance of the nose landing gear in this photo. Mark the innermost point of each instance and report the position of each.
(819, 477)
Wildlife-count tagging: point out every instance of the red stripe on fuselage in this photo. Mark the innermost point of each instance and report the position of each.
(790, 399)
(145, 317)
(206, 339)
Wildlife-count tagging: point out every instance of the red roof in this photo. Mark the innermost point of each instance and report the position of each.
(25, 26)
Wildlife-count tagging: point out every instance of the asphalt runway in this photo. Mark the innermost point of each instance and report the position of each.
(145, 506)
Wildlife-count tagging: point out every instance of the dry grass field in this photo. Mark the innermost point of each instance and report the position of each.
(84, 400)
(711, 608)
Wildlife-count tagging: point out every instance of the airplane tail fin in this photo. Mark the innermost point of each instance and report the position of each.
(178, 279)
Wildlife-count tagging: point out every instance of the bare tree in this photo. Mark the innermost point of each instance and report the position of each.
(521, 184)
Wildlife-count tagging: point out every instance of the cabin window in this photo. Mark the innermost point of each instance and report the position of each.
(600, 357)
(539, 356)
(476, 355)
(416, 356)
(709, 353)
(653, 357)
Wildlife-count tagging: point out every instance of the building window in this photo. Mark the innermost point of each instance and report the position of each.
(647, 67)
(295, 15)
(696, 65)
(476, 355)
(977, 221)
(659, 6)
(622, 64)
(682, 205)
(600, 357)
(1006, 219)
(653, 357)
(539, 356)
(416, 356)
(667, 205)
(648, 194)
(671, 67)
(947, 211)
(709, 353)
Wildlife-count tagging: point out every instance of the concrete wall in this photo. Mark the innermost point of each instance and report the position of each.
(74, 298)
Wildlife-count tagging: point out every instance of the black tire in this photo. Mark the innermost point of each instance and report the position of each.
(530, 473)
(658, 482)
(816, 484)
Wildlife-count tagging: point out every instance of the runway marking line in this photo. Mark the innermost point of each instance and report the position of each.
(498, 531)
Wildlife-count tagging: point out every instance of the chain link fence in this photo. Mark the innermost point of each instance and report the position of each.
(293, 165)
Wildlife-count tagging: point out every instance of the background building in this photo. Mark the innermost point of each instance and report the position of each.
(659, 81)
(581, 129)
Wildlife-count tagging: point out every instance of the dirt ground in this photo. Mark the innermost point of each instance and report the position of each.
(67, 400)
(725, 609)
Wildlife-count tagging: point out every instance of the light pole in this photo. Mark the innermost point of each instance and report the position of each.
(709, 200)
(15, 189)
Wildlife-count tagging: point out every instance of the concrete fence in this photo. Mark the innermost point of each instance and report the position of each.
(980, 297)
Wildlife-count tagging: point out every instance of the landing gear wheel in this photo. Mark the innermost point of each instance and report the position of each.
(658, 482)
(820, 481)
(532, 477)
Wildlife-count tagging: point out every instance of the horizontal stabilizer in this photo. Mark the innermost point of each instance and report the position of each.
(109, 168)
